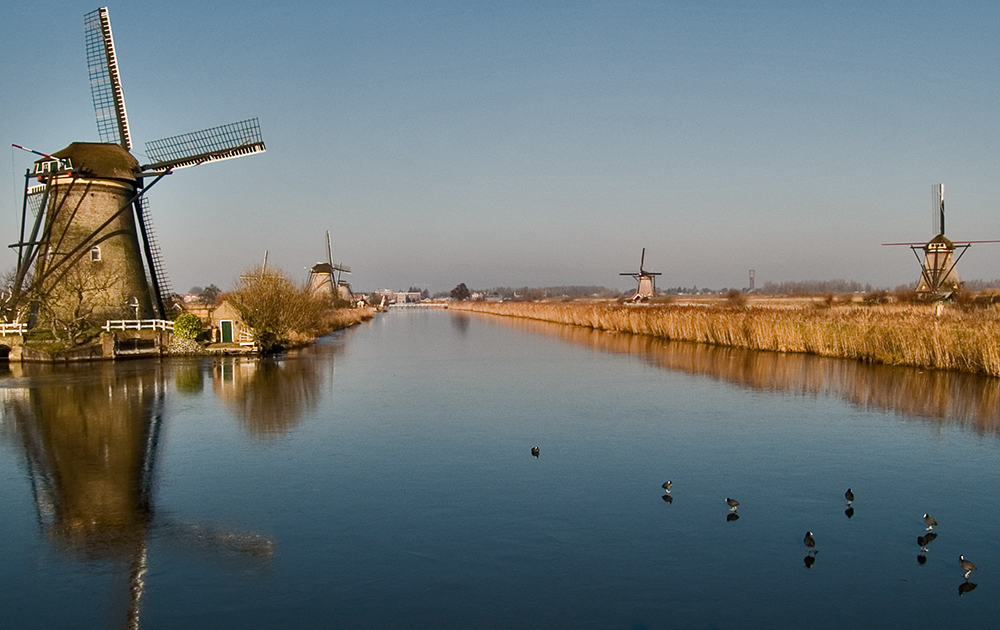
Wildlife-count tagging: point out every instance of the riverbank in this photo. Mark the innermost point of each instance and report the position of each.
(919, 335)
(113, 345)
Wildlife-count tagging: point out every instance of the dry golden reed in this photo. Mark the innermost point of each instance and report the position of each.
(892, 334)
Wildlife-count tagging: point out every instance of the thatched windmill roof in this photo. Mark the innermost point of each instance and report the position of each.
(102, 160)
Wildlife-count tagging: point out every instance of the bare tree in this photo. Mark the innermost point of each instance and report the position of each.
(274, 307)
(69, 308)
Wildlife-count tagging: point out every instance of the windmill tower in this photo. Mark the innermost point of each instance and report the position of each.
(324, 277)
(646, 280)
(90, 241)
(938, 278)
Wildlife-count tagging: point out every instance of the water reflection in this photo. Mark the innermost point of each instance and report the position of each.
(460, 321)
(941, 397)
(90, 436)
(90, 441)
(270, 396)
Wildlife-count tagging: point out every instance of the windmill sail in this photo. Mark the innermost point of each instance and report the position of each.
(35, 195)
(154, 257)
(208, 145)
(105, 82)
(937, 208)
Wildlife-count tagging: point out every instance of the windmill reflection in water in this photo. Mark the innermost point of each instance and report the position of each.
(91, 451)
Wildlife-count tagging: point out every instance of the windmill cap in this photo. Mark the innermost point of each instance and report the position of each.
(941, 239)
(100, 159)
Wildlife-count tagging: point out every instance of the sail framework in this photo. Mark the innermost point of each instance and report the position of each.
(105, 82)
(208, 145)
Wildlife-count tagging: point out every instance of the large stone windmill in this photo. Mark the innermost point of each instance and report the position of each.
(89, 243)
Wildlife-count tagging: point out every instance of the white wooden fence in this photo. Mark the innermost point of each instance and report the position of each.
(13, 329)
(138, 324)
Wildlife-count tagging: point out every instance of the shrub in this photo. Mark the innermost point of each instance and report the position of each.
(736, 298)
(879, 296)
(187, 325)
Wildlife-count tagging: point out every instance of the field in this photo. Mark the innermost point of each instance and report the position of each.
(921, 335)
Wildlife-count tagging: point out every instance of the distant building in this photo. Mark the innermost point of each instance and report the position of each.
(406, 297)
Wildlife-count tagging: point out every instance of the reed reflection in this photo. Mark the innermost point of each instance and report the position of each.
(938, 397)
(90, 435)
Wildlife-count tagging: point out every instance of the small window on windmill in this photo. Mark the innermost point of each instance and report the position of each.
(95, 253)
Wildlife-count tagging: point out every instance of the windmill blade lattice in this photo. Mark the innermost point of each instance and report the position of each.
(35, 195)
(158, 272)
(208, 145)
(937, 208)
(105, 82)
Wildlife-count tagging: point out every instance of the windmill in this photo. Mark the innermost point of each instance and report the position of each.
(646, 280)
(91, 234)
(938, 278)
(325, 277)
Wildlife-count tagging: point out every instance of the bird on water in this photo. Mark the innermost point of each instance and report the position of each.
(809, 541)
(849, 495)
(966, 565)
(733, 503)
(534, 451)
(930, 520)
(667, 485)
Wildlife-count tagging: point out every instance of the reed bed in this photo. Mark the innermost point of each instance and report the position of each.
(967, 341)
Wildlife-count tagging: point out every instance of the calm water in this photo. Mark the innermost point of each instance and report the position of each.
(384, 479)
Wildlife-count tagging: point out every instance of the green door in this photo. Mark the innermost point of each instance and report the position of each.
(226, 328)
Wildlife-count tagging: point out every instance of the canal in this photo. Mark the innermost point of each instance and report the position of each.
(384, 478)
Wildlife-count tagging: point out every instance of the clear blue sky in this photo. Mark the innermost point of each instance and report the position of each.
(539, 143)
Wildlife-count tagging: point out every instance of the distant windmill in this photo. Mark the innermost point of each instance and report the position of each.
(325, 278)
(90, 197)
(938, 278)
(646, 280)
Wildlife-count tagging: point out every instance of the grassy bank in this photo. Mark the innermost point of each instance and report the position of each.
(914, 335)
(330, 321)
